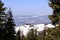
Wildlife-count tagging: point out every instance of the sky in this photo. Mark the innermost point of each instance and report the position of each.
(28, 7)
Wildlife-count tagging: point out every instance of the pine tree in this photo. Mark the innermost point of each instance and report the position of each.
(9, 27)
(55, 5)
(41, 35)
(54, 33)
(32, 35)
(18, 35)
(22, 37)
(2, 20)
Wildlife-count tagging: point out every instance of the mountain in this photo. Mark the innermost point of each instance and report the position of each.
(31, 19)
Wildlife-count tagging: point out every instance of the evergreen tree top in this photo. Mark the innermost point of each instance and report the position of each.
(55, 1)
(1, 4)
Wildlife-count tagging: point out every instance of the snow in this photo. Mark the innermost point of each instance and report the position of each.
(57, 25)
(25, 29)
(50, 26)
(16, 29)
(40, 27)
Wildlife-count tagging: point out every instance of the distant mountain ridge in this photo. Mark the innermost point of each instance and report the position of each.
(33, 19)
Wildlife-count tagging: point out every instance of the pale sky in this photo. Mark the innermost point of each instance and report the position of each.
(28, 7)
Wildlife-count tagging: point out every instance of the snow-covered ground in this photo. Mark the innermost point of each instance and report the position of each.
(40, 27)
